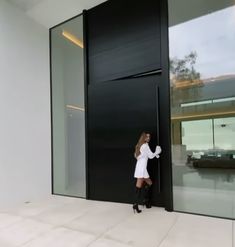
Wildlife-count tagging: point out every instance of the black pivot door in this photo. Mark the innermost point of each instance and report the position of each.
(118, 112)
(127, 93)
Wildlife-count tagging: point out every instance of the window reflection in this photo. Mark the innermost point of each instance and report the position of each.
(207, 143)
(202, 73)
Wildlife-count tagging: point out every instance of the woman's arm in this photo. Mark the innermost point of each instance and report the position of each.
(158, 150)
(150, 154)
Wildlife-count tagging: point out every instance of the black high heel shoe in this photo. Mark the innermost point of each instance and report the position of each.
(147, 204)
(136, 208)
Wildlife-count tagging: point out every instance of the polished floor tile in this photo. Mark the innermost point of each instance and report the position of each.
(199, 231)
(101, 218)
(64, 214)
(108, 243)
(37, 207)
(233, 236)
(22, 232)
(73, 222)
(7, 220)
(148, 228)
(62, 237)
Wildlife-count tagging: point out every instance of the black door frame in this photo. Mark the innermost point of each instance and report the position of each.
(164, 110)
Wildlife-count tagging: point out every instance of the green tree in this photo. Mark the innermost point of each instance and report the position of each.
(183, 69)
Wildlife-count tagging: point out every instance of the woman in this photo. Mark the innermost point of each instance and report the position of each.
(142, 154)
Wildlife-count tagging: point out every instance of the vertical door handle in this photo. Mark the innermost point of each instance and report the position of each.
(158, 160)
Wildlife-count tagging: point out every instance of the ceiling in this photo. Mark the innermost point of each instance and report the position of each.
(52, 12)
(25, 4)
(185, 10)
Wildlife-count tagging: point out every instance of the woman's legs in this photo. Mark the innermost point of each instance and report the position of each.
(147, 192)
(148, 181)
(139, 184)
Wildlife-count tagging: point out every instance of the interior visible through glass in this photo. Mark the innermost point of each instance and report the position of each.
(69, 177)
(202, 83)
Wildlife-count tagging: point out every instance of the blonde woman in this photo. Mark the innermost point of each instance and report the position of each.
(142, 154)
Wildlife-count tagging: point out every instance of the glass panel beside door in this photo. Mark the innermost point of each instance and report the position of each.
(68, 128)
(202, 73)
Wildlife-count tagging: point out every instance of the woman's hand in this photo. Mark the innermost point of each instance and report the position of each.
(158, 150)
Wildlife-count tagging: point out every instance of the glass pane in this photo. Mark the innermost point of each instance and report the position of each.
(225, 130)
(202, 73)
(68, 108)
(197, 135)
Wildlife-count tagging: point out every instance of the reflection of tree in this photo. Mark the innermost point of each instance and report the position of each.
(183, 69)
(185, 80)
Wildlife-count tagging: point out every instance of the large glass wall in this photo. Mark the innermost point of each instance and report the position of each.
(68, 108)
(202, 73)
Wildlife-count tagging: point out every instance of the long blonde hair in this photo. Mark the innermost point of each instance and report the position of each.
(140, 143)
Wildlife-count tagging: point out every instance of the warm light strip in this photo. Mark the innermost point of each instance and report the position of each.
(205, 102)
(75, 107)
(203, 115)
(72, 38)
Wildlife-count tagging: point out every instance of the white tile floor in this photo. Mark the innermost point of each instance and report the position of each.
(71, 222)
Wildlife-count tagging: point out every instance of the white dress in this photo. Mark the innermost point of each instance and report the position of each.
(142, 160)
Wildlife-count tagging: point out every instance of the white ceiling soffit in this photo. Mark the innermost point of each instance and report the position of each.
(52, 12)
(25, 4)
(184, 10)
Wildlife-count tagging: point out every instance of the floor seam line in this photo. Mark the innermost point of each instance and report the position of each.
(177, 217)
(110, 228)
(232, 233)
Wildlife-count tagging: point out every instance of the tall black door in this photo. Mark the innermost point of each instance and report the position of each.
(118, 112)
(127, 93)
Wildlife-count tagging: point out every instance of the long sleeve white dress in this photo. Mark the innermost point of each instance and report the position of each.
(142, 160)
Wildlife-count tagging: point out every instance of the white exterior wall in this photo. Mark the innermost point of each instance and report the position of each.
(25, 149)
